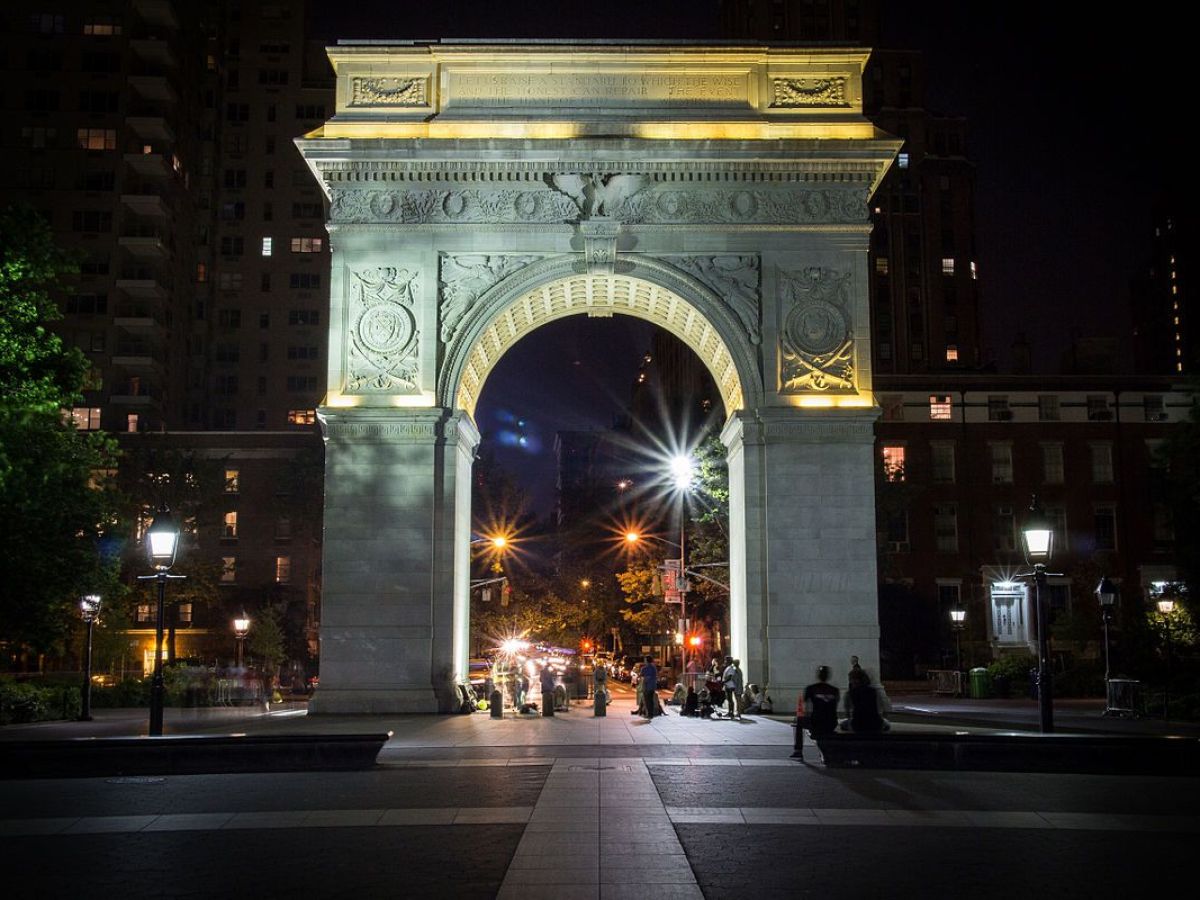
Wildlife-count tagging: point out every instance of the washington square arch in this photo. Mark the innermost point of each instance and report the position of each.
(478, 191)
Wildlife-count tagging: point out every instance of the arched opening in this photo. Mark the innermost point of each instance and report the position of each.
(508, 314)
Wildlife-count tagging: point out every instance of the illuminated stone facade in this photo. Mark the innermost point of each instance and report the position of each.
(479, 191)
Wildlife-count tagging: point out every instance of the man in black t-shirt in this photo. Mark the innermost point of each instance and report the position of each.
(817, 710)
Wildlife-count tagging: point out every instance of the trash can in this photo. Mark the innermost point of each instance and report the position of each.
(979, 683)
(1122, 697)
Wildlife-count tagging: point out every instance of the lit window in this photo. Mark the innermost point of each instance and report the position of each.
(144, 614)
(131, 423)
(185, 614)
(947, 265)
(881, 265)
(951, 353)
(283, 569)
(941, 407)
(230, 529)
(201, 273)
(893, 463)
(228, 569)
(231, 481)
(266, 246)
(104, 26)
(974, 270)
(306, 245)
(97, 138)
(302, 416)
(902, 160)
(86, 418)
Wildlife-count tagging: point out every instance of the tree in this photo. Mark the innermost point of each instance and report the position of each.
(59, 535)
(266, 641)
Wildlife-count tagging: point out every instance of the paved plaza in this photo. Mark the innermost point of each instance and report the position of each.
(578, 807)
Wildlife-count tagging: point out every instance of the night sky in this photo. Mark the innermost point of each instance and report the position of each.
(1075, 123)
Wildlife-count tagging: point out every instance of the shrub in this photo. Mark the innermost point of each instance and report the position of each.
(26, 702)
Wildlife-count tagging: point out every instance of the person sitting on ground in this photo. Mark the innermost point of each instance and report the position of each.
(765, 704)
(751, 698)
(691, 704)
(678, 696)
(706, 704)
(863, 715)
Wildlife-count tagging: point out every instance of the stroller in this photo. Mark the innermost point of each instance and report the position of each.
(716, 692)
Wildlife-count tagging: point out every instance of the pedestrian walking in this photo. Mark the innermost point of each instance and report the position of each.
(816, 711)
(732, 678)
(649, 687)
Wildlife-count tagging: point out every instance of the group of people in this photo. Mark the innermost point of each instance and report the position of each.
(866, 705)
(723, 686)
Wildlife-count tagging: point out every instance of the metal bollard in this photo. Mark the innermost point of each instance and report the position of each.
(600, 705)
(496, 705)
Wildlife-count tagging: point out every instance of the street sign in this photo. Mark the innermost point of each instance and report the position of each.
(673, 581)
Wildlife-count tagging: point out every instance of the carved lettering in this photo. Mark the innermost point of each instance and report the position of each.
(596, 88)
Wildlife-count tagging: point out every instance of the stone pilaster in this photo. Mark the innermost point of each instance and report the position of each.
(802, 488)
(394, 511)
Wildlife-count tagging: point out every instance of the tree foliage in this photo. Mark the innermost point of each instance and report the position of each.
(59, 535)
(1181, 455)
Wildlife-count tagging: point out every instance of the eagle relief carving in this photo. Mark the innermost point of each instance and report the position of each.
(597, 194)
(382, 354)
(817, 341)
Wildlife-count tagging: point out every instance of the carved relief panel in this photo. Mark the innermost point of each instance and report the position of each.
(464, 278)
(384, 336)
(816, 331)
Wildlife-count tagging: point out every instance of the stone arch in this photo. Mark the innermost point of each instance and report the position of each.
(648, 289)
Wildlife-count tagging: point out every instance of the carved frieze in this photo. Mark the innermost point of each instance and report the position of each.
(381, 356)
(675, 206)
(389, 92)
(468, 206)
(817, 335)
(735, 279)
(464, 278)
(799, 93)
(573, 198)
(600, 245)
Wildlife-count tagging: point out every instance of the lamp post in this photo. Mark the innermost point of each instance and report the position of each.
(1039, 547)
(1166, 606)
(89, 610)
(958, 621)
(162, 542)
(683, 475)
(1106, 594)
(241, 627)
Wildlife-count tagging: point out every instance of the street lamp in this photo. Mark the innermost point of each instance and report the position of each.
(683, 477)
(958, 621)
(1166, 606)
(1039, 547)
(1106, 594)
(241, 627)
(89, 610)
(162, 543)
